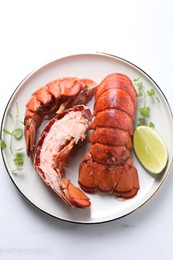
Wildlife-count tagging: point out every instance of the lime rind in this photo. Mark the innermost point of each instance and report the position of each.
(150, 149)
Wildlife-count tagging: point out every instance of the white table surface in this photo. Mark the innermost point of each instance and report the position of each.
(33, 33)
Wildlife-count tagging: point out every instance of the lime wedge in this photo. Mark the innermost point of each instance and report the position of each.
(150, 149)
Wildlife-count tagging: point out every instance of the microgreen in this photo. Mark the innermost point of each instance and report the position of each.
(19, 149)
(158, 99)
(10, 113)
(16, 133)
(7, 132)
(151, 124)
(145, 110)
(151, 92)
(18, 159)
(140, 94)
(2, 144)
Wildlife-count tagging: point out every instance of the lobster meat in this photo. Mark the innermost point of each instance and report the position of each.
(59, 139)
(107, 166)
(56, 96)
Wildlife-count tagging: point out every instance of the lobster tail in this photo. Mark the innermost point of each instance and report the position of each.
(107, 166)
(60, 138)
(55, 96)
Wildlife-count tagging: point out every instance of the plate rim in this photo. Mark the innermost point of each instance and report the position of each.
(70, 56)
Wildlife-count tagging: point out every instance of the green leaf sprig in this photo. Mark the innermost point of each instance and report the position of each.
(16, 133)
(2, 144)
(145, 109)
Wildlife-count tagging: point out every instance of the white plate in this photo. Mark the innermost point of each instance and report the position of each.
(104, 208)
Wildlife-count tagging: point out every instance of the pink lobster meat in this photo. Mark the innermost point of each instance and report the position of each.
(60, 138)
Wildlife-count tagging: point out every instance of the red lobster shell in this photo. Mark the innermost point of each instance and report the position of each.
(107, 166)
(55, 96)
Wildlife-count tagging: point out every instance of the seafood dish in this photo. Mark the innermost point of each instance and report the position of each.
(108, 167)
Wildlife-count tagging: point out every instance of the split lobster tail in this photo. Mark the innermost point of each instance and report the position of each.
(107, 166)
(60, 138)
(54, 97)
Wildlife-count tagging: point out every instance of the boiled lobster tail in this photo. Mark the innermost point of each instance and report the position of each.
(107, 166)
(54, 97)
(60, 138)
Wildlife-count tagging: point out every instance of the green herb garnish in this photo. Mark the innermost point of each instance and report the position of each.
(18, 160)
(2, 144)
(151, 92)
(145, 109)
(16, 133)
(151, 124)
